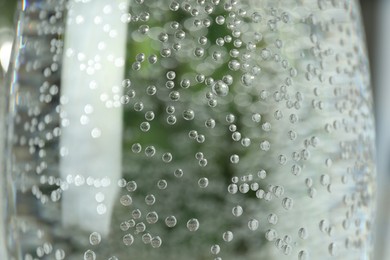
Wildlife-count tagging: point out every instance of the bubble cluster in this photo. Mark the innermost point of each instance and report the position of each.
(265, 107)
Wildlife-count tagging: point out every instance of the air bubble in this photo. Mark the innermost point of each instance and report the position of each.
(126, 83)
(152, 217)
(167, 157)
(126, 200)
(253, 224)
(244, 188)
(170, 221)
(210, 123)
(273, 219)
(149, 115)
(271, 234)
(156, 242)
(332, 249)
(292, 135)
(131, 186)
(89, 255)
(178, 173)
(193, 224)
(174, 95)
(233, 188)
(162, 184)
(188, 114)
(169, 84)
(199, 52)
(236, 136)
(185, 83)
(150, 151)
(296, 170)
(124, 226)
(139, 106)
(265, 54)
(203, 162)
(171, 119)
(143, 29)
(246, 142)
(59, 254)
(140, 227)
(146, 238)
(302, 233)
(227, 236)
(95, 238)
(215, 249)
(237, 211)
(265, 145)
(152, 59)
(282, 159)
(303, 255)
(150, 199)
(174, 6)
(234, 159)
(203, 182)
(256, 17)
(220, 88)
(266, 126)
(128, 239)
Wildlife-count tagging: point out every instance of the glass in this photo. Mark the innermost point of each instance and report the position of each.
(189, 130)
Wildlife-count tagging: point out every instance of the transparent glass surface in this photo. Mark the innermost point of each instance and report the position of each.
(198, 129)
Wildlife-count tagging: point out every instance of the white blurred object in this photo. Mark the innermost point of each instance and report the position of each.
(383, 123)
(91, 129)
(5, 54)
(6, 37)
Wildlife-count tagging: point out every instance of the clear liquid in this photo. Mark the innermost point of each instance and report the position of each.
(245, 132)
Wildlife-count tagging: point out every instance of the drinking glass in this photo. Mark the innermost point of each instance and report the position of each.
(188, 129)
